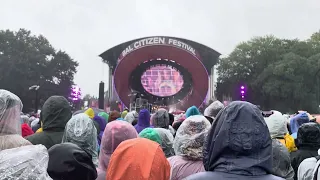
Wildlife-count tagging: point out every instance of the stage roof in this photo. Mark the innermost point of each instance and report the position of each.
(208, 56)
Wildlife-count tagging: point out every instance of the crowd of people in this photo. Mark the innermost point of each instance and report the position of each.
(237, 141)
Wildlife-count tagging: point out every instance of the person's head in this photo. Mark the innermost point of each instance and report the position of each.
(190, 137)
(281, 163)
(143, 120)
(81, 131)
(277, 125)
(104, 115)
(151, 134)
(166, 141)
(69, 161)
(114, 133)
(191, 111)
(309, 136)
(10, 109)
(123, 114)
(143, 159)
(55, 114)
(131, 116)
(25, 119)
(213, 109)
(101, 121)
(114, 115)
(161, 119)
(27, 162)
(239, 142)
(90, 113)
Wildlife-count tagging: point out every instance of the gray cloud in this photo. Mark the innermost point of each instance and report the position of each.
(84, 29)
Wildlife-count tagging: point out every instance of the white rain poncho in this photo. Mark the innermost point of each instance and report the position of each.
(131, 116)
(166, 141)
(80, 130)
(10, 123)
(213, 109)
(277, 125)
(190, 137)
(10, 109)
(27, 162)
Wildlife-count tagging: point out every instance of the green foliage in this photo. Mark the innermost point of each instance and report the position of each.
(280, 74)
(27, 60)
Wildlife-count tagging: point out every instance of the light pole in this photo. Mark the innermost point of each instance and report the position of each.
(35, 88)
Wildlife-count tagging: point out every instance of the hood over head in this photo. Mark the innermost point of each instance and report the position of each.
(213, 109)
(190, 137)
(90, 113)
(148, 161)
(10, 109)
(114, 115)
(191, 111)
(104, 115)
(27, 162)
(151, 134)
(166, 141)
(26, 130)
(277, 125)
(114, 133)
(69, 161)
(281, 164)
(143, 121)
(123, 114)
(100, 120)
(55, 113)
(239, 142)
(297, 121)
(309, 136)
(131, 116)
(161, 119)
(81, 131)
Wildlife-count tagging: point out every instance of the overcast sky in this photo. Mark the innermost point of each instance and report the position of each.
(85, 29)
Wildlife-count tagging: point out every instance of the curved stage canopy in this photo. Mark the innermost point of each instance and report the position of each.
(128, 61)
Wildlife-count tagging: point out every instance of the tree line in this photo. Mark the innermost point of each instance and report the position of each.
(281, 74)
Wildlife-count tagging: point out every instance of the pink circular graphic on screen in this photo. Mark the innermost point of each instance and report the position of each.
(162, 80)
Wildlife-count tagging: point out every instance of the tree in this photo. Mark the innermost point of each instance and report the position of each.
(27, 60)
(279, 73)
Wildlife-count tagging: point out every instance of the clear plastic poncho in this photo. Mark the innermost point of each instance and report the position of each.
(166, 141)
(213, 109)
(10, 109)
(190, 137)
(27, 162)
(80, 130)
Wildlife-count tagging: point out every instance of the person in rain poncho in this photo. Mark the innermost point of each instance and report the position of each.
(161, 119)
(131, 116)
(104, 115)
(191, 111)
(143, 120)
(166, 141)
(281, 164)
(238, 145)
(188, 147)
(123, 114)
(296, 122)
(114, 115)
(25, 128)
(81, 131)
(114, 133)
(308, 143)
(139, 159)
(213, 109)
(102, 125)
(309, 168)
(54, 116)
(10, 124)
(151, 134)
(68, 161)
(90, 113)
(27, 162)
(277, 125)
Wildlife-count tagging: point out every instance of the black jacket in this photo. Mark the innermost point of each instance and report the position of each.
(55, 114)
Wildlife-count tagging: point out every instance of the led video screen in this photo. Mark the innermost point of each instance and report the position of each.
(162, 81)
